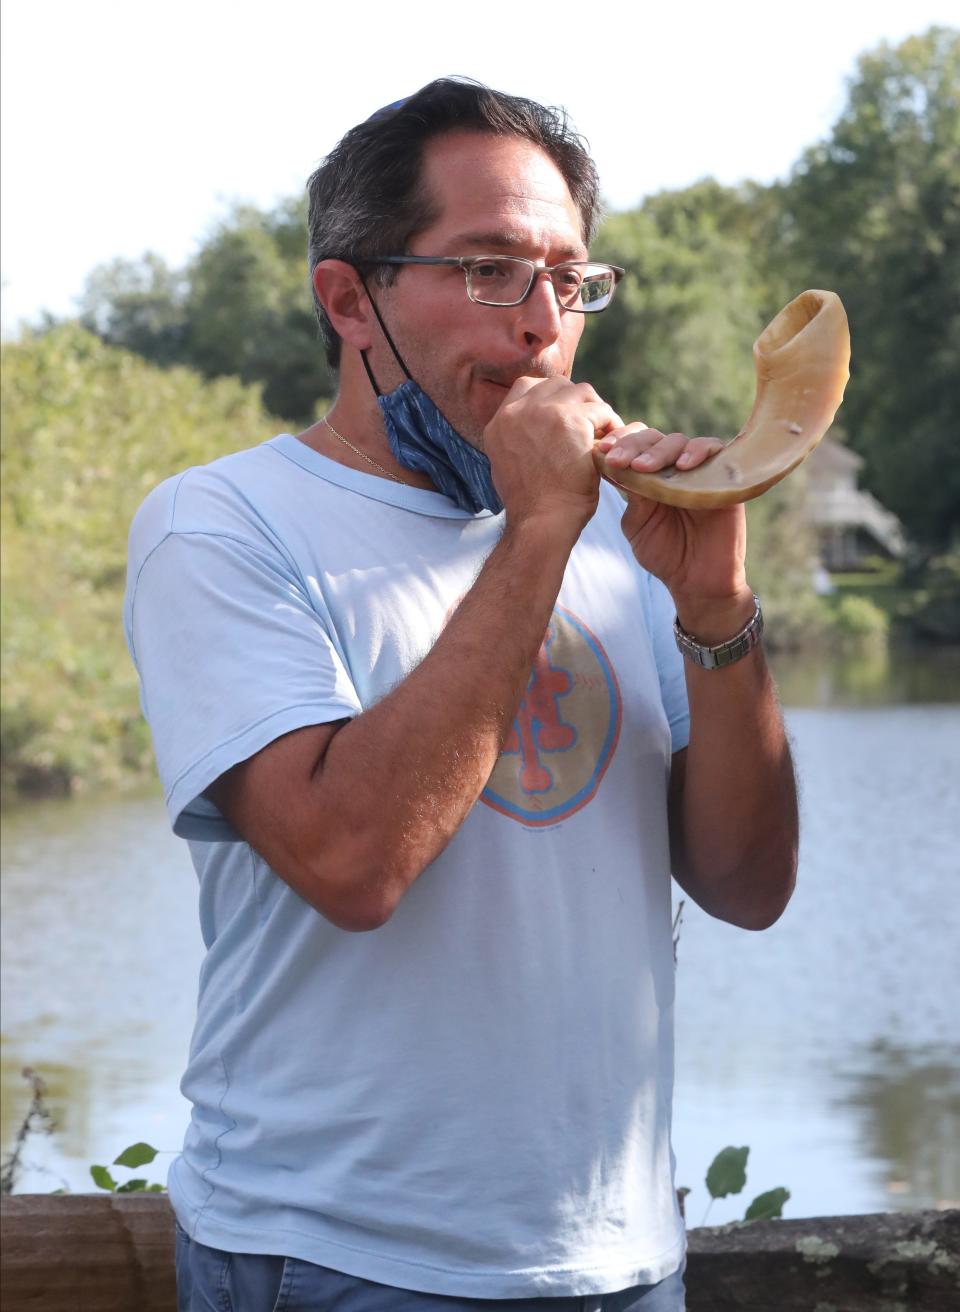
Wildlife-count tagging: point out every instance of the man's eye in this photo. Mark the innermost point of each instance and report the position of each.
(490, 271)
(569, 279)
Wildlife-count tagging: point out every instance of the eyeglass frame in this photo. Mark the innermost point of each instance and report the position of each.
(466, 262)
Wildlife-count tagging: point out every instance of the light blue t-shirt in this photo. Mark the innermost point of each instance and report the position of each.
(473, 1099)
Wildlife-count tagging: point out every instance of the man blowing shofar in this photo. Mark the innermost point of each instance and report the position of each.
(420, 713)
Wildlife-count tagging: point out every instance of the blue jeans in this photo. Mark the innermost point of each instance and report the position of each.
(210, 1280)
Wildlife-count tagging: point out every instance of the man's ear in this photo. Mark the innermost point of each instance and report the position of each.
(341, 293)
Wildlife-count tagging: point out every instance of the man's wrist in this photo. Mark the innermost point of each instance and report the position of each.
(715, 620)
(718, 656)
(556, 530)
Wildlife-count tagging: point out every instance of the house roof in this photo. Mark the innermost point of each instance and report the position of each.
(835, 501)
(832, 456)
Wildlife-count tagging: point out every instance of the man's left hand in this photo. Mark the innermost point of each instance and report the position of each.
(733, 833)
(698, 554)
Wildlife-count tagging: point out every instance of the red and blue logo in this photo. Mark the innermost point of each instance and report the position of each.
(565, 732)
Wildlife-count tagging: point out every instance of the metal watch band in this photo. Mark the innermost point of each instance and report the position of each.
(724, 653)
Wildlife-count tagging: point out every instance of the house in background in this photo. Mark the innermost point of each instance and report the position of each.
(851, 525)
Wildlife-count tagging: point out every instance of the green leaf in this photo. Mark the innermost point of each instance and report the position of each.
(727, 1173)
(103, 1179)
(156, 1189)
(767, 1206)
(138, 1154)
(132, 1186)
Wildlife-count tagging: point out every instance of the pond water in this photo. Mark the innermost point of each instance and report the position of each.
(830, 1044)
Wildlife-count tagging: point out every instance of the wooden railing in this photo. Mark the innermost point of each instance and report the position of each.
(114, 1253)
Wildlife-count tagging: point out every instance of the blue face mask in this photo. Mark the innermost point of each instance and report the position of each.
(422, 440)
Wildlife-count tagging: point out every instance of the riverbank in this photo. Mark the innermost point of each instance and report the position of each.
(89, 430)
(84, 735)
(71, 722)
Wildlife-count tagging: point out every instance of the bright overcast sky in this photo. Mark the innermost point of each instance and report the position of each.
(130, 126)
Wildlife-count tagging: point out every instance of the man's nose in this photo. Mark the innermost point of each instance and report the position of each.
(538, 317)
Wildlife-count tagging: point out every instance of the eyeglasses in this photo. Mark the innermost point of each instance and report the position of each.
(580, 285)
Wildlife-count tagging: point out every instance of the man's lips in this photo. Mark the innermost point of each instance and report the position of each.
(505, 378)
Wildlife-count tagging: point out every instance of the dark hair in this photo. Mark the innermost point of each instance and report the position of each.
(367, 197)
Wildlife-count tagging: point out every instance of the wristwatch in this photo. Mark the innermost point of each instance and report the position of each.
(724, 653)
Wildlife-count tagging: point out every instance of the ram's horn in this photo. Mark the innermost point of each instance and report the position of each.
(802, 360)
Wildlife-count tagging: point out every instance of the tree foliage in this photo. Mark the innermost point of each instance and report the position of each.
(241, 307)
(140, 305)
(88, 430)
(874, 213)
(674, 347)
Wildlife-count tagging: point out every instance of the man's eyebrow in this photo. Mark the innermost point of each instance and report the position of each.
(504, 239)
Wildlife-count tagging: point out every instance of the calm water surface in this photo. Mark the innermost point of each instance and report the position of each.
(830, 1044)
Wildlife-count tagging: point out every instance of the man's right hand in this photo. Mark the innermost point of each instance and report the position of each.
(351, 814)
(540, 445)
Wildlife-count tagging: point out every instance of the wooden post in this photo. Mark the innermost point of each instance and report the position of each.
(87, 1253)
(114, 1253)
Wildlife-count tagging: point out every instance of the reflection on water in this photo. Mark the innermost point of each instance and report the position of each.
(829, 1044)
(790, 1041)
(908, 1109)
(905, 675)
(100, 953)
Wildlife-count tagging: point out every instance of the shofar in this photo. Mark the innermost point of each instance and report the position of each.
(802, 359)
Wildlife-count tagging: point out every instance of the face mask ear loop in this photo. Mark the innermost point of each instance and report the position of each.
(373, 381)
(383, 328)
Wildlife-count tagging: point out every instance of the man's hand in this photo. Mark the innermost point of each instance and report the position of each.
(698, 554)
(327, 806)
(733, 831)
(635, 446)
(540, 443)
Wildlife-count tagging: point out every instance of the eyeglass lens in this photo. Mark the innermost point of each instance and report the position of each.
(505, 280)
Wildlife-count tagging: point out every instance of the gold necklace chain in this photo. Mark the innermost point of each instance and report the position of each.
(362, 454)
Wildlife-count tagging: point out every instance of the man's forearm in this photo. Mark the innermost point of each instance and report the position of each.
(396, 783)
(351, 814)
(734, 826)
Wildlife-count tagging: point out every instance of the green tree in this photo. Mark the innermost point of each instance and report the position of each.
(250, 314)
(139, 305)
(674, 347)
(88, 430)
(241, 307)
(873, 212)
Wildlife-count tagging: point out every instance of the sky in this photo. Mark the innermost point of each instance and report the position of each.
(130, 126)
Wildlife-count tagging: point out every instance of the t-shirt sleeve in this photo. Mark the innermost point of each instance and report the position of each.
(673, 683)
(232, 653)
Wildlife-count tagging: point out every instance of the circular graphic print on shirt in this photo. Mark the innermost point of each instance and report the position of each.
(565, 732)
